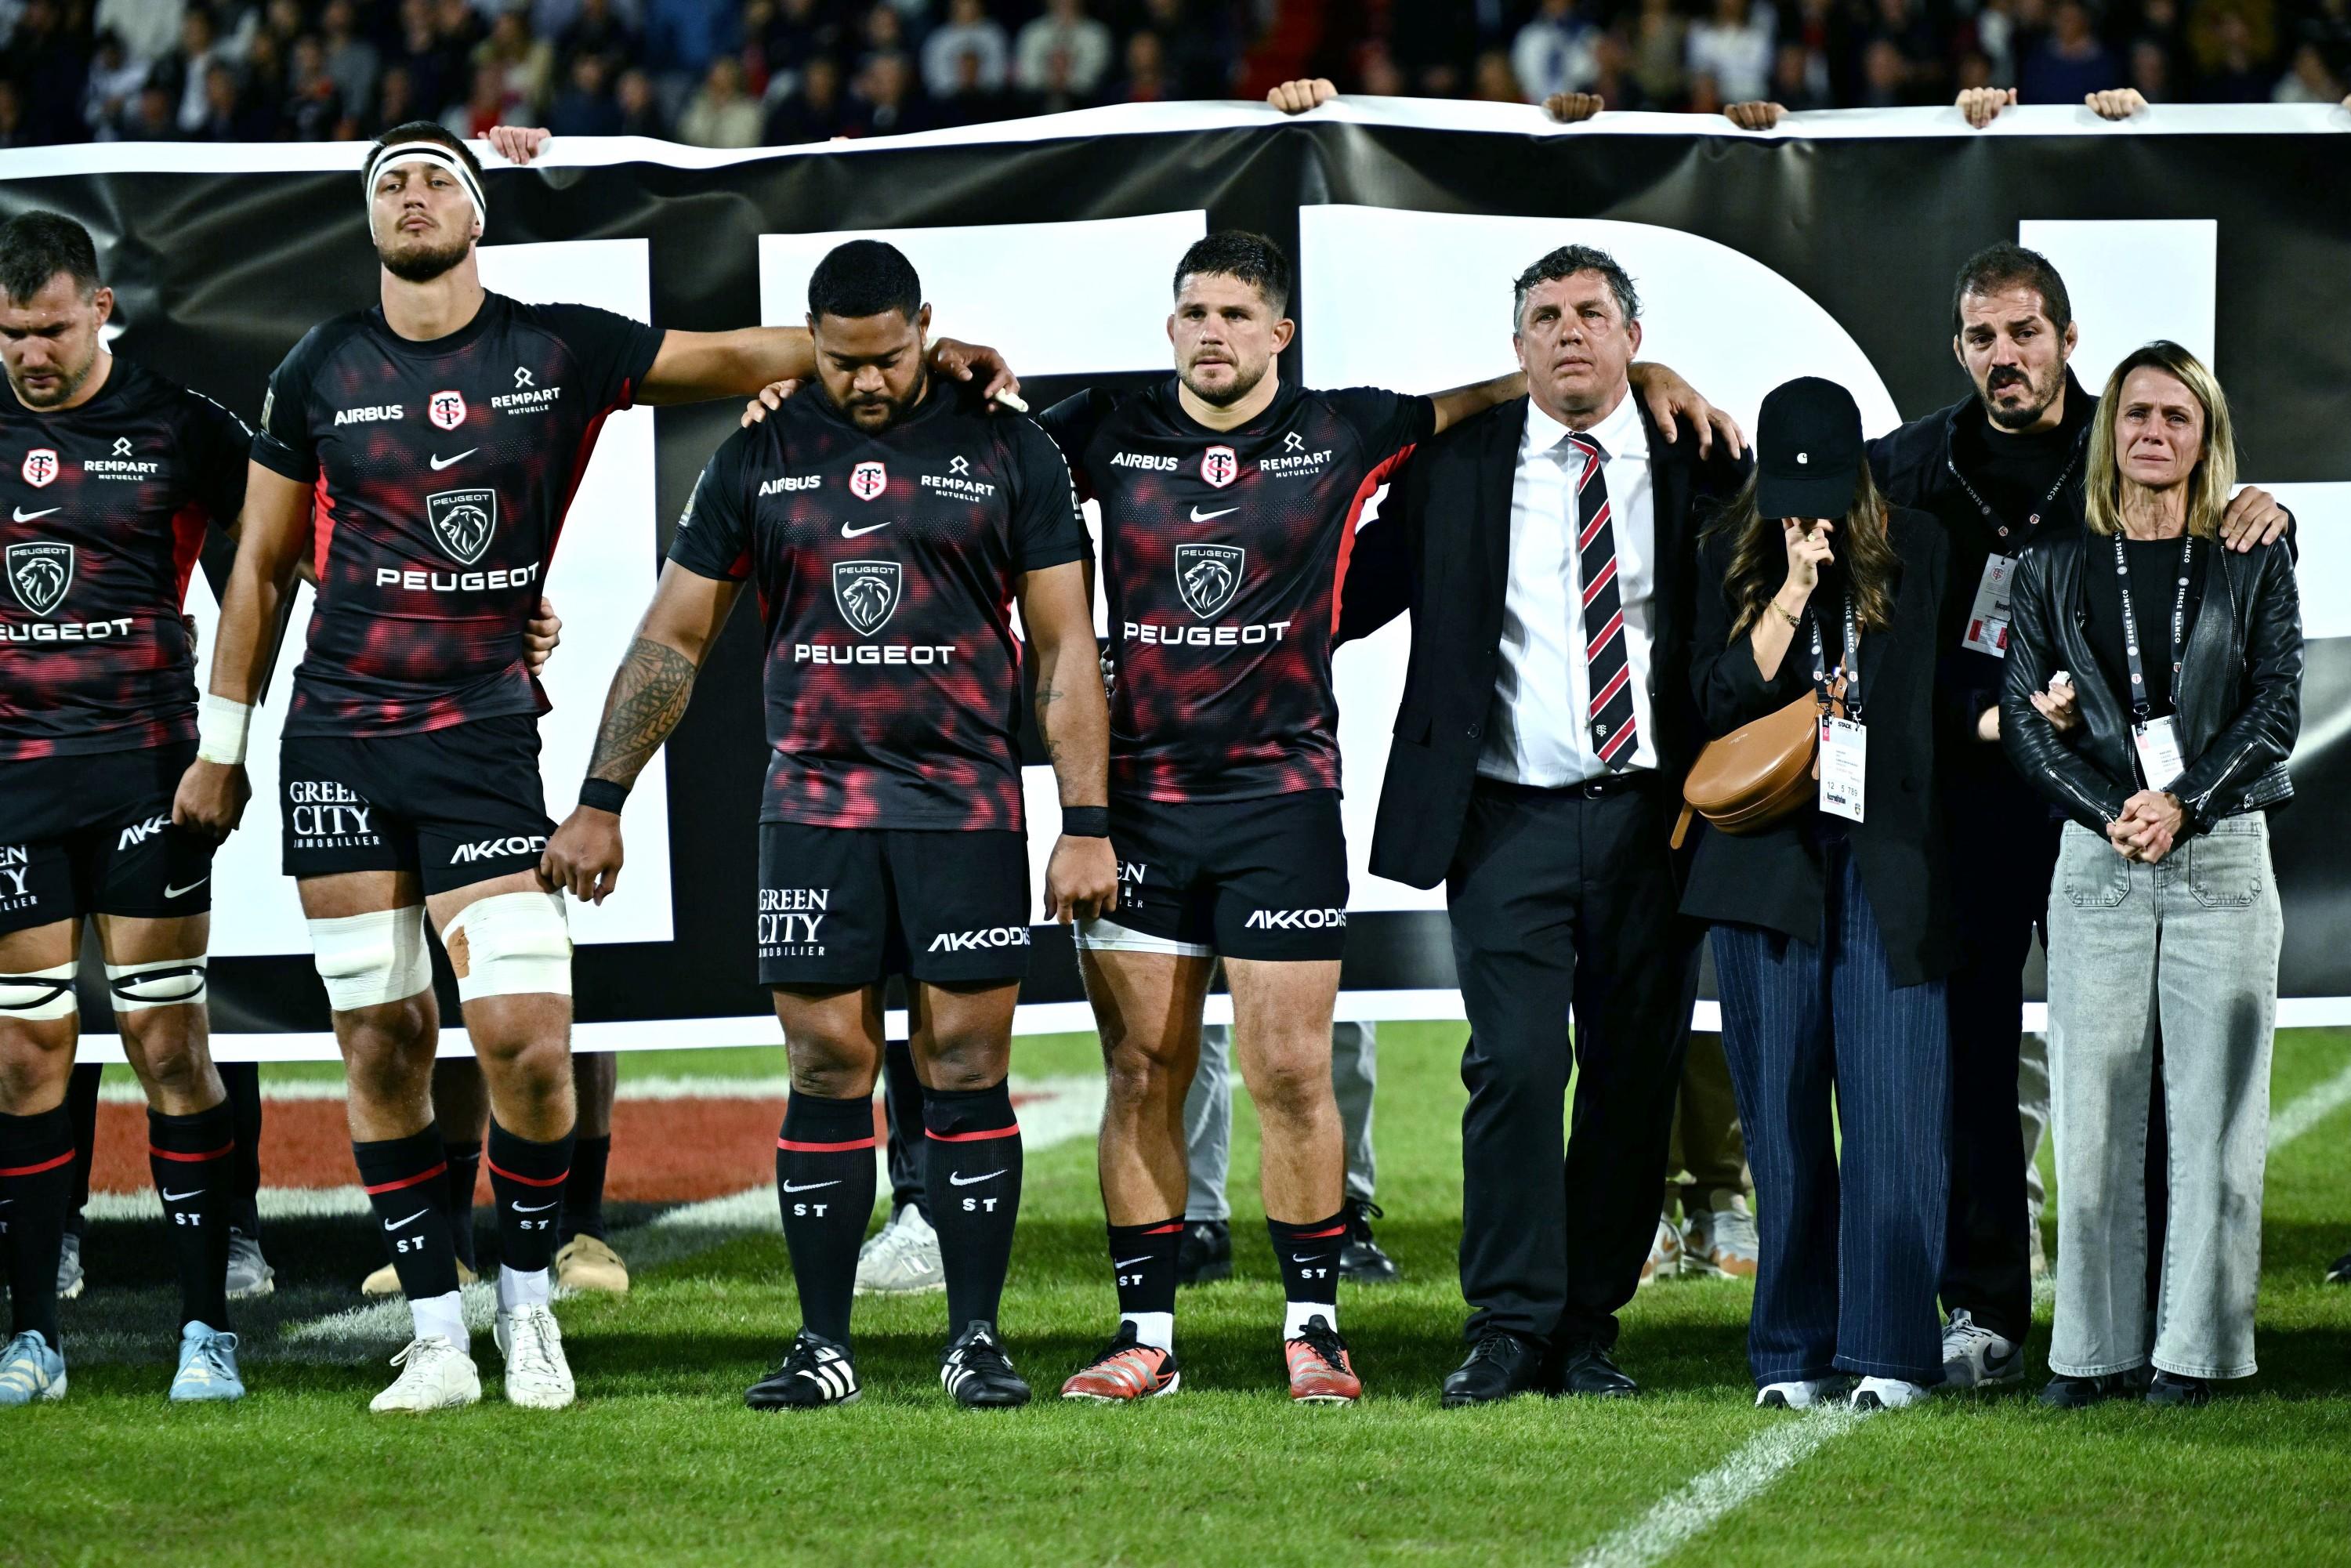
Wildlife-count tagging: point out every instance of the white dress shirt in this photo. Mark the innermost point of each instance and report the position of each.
(1538, 730)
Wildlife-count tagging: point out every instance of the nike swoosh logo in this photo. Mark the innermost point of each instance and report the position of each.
(1123, 1262)
(170, 893)
(1200, 517)
(396, 1223)
(25, 517)
(813, 1186)
(850, 533)
(182, 1196)
(440, 462)
(954, 1180)
(1307, 1256)
(534, 1207)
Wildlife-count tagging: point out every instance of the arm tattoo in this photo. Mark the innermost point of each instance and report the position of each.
(648, 698)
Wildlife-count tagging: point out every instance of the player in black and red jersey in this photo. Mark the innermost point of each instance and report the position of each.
(888, 525)
(423, 453)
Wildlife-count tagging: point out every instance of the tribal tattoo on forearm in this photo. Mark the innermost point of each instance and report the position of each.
(648, 698)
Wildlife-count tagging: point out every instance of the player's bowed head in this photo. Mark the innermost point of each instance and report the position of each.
(868, 321)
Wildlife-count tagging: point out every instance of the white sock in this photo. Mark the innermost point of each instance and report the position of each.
(1294, 1316)
(523, 1287)
(441, 1315)
(1156, 1330)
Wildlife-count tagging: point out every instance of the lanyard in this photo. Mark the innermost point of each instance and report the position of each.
(2142, 708)
(1850, 668)
(1992, 518)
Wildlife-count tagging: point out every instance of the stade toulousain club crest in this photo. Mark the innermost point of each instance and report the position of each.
(40, 571)
(1219, 466)
(447, 410)
(40, 466)
(868, 480)
(867, 592)
(1207, 576)
(463, 521)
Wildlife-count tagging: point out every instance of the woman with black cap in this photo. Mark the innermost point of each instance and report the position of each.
(1831, 931)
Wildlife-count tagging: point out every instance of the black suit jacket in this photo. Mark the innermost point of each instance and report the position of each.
(1440, 549)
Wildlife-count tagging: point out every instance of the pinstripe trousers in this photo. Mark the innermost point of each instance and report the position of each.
(1851, 1245)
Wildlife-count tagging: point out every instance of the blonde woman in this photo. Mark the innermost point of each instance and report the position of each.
(2185, 664)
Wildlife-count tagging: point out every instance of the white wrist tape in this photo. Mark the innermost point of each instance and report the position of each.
(221, 726)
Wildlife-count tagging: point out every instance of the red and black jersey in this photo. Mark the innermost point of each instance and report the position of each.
(886, 565)
(107, 505)
(443, 471)
(1224, 554)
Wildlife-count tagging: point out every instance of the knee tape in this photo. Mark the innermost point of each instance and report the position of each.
(373, 959)
(43, 994)
(166, 983)
(516, 944)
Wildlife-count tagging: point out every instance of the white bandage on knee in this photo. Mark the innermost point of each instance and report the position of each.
(42, 994)
(165, 983)
(517, 944)
(370, 959)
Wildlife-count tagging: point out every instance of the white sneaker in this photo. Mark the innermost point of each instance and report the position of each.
(1887, 1394)
(1720, 1243)
(433, 1376)
(538, 1377)
(1664, 1259)
(1975, 1357)
(901, 1259)
(1802, 1394)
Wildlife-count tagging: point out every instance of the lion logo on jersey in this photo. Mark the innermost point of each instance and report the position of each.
(463, 521)
(867, 592)
(1207, 576)
(40, 571)
(1221, 465)
(447, 410)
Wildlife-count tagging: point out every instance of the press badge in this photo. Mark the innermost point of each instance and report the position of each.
(1986, 629)
(2159, 751)
(1845, 765)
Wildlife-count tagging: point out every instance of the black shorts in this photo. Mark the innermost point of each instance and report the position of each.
(93, 835)
(1245, 879)
(846, 906)
(457, 806)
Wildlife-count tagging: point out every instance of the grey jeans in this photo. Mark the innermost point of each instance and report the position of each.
(2192, 942)
(1208, 1113)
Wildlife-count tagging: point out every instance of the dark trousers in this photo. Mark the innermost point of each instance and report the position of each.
(1564, 908)
(902, 1104)
(1850, 1241)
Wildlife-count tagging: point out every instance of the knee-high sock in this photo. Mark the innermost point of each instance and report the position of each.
(403, 1179)
(526, 1183)
(973, 1176)
(37, 1157)
(1144, 1259)
(824, 1183)
(1309, 1255)
(457, 1196)
(583, 1192)
(82, 1104)
(194, 1161)
(243, 1081)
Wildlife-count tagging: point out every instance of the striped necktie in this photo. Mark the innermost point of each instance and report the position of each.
(1610, 722)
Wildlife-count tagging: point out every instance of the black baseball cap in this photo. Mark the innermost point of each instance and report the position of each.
(1808, 451)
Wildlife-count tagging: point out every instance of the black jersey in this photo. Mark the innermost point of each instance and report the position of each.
(886, 567)
(1224, 555)
(443, 471)
(107, 507)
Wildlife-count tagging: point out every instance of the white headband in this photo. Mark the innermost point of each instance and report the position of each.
(432, 152)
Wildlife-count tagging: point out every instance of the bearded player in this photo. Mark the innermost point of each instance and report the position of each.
(422, 453)
(888, 525)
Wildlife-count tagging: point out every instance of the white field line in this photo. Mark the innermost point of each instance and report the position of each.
(1697, 1507)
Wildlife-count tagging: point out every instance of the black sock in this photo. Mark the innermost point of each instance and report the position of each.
(1309, 1255)
(196, 1166)
(403, 1181)
(37, 1155)
(82, 1104)
(583, 1194)
(824, 1182)
(1144, 1259)
(457, 1196)
(527, 1182)
(243, 1081)
(973, 1174)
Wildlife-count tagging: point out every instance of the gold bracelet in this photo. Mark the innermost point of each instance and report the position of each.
(1790, 620)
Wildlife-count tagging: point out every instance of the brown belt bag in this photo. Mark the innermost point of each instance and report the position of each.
(1759, 772)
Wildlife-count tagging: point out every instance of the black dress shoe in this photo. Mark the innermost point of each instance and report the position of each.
(2340, 1271)
(1360, 1258)
(2170, 1388)
(1204, 1251)
(1501, 1365)
(1589, 1370)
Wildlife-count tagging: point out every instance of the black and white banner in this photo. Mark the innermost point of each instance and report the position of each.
(1826, 248)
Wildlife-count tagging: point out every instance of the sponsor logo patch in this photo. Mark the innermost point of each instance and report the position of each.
(40, 571)
(1297, 920)
(972, 941)
(447, 410)
(1221, 465)
(40, 467)
(463, 521)
(372, 413)
(867, 592)
(1207, 576)
(868, 480)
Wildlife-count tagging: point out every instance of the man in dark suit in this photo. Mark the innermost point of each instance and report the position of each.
(1546, 550)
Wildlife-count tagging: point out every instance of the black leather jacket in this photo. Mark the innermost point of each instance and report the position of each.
(2238, 696)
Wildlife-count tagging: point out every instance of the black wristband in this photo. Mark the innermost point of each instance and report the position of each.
(1085, 822)
(604, 795)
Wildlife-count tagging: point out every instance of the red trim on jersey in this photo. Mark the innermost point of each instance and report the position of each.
(827, 1148)
(187, 543)
(418, 1179)
(1372, 481)
(184, 1159)
(63, 1159)
(322, 525)
(1011, 1132)
(556, 1180)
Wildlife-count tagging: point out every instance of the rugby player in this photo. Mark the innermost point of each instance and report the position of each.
(423, 453)
(888, 525)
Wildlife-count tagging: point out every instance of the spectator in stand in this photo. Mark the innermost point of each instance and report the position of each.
(969, 34)
(458, 30)
(719, 114)
(2150, 71)
(1884, 75)
(261, 85)
(1146, 71)
(2071, 63)
(1065, 32)
(1059, 94)
(354, 63)
(313, 110)
(819, 111)
(525, 66)
(396, 102)
(228, 116)
(483, 109)
(1660, 46)
(596, 29)
(894, 103)
(586, 107)
(153, 116)
(1733, 48)
(1380, 74)
(641, 109)
(1555, 52)
(798, 31)
(149, 29)
(1799, 78)
(50, 65)
(115, 79)
(12, 114)
(686, 35)
(1202, 55)
(967, 102)
(2236, 64)
(2310, 80)
(422, 57)
(1494, 81)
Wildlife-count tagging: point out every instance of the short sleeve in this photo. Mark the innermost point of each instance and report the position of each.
(284, 443)
(1071, 424)
(1047, 528)
(215, 448)
(1389, 424)
(615, 351)
(714, 533)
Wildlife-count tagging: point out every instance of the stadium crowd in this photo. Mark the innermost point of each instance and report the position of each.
(748, 73)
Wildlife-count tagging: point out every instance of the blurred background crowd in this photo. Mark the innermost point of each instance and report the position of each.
(745, 73)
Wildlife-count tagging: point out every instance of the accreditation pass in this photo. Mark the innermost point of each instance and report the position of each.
(1986, 629)
(2159, 757)
(1844, 766)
